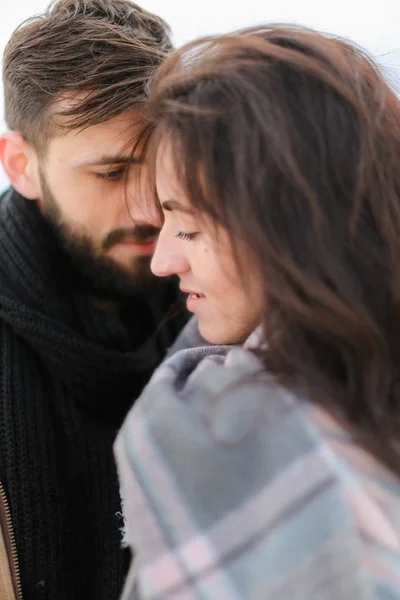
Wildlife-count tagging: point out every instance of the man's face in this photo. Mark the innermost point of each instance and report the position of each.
(90, 197)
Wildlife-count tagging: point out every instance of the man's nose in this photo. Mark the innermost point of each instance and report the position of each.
(143, 205)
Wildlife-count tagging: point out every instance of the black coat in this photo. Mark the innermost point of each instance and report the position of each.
(69, 374)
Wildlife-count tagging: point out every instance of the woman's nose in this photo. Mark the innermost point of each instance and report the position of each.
(169, 258)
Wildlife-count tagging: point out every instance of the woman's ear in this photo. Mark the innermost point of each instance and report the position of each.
(19, 160)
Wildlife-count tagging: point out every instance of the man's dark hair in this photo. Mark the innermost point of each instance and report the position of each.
(99, 53)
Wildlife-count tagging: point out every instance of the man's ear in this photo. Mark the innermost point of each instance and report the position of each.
(20, 163)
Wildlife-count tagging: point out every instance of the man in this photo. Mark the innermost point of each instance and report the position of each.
(82, 323)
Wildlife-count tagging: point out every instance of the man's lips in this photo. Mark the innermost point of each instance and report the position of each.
(145, 246)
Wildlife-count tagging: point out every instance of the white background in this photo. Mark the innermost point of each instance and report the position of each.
(372, 24)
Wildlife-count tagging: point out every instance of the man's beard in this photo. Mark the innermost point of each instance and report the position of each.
(98, 274)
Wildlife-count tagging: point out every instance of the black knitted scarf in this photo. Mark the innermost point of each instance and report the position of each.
(69, 373)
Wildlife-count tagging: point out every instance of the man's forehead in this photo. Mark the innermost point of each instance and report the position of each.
(100, 142)
(93, 152)
(105, 143)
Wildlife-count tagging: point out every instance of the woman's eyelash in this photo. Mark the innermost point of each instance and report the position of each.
(185, 236)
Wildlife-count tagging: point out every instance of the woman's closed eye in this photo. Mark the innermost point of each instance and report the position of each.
(182, 235)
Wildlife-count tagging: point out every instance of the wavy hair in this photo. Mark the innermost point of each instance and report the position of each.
(290, 140)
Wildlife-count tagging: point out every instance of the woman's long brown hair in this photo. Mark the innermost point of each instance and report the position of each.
(290, 140)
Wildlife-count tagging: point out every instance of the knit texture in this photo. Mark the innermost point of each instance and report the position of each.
(69, 374)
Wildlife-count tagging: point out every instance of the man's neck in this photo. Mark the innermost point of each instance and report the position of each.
(106, 306)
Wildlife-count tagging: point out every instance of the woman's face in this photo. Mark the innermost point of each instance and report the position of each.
(227, 307)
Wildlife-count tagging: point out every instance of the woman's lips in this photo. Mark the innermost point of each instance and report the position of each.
(193, 299)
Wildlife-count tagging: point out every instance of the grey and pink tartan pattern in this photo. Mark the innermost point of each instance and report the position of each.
(236, 490)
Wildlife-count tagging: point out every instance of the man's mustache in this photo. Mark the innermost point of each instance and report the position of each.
(136, 235)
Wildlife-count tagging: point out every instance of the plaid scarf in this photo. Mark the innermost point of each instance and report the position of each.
(234, 489)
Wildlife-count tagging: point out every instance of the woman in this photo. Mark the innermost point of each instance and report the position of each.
(271, 470)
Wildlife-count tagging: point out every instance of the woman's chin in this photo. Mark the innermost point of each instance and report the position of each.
(221, 335)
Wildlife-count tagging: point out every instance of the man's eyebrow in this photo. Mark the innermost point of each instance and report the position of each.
(110, 159)
(170, 205)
